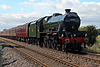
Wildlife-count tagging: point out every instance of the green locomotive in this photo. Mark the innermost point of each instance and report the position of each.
(58, 32)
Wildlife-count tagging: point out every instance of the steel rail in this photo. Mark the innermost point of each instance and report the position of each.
(92, 54)
(54, 58)
(29, 56)
(78, 55)
(37, 61)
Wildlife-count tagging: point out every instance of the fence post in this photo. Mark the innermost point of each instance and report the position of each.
(0, 54)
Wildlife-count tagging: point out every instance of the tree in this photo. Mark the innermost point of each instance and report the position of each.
(92, 33)
(98, 31)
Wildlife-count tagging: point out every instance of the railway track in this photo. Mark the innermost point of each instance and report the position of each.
(46, 55)
(79, 56)
(29, 56)
(83, 55)
(37, 61)
(91, 54)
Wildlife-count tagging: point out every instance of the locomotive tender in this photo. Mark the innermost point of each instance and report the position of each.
(57, 32)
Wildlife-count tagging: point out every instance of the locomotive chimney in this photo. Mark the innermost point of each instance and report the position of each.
(67, 11)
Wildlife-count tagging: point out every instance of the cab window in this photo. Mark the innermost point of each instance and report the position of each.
(33, 22)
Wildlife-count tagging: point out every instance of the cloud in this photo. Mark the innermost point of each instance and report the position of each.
(5, 7)
(88, 12)
(12, 20)
(39, 5)
(32, 0)
(22, 10)
(25, 3)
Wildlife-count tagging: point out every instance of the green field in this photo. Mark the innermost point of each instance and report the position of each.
(98, 39)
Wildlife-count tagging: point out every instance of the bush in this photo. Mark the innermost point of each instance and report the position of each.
(98, 31)
(92, 33)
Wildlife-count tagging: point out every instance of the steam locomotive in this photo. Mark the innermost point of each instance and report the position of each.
(56, 31)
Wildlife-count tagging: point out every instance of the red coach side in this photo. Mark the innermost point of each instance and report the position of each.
(22, 31)
(12, 32)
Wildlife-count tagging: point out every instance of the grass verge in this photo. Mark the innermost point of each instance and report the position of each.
(98, 39)
(96, 47)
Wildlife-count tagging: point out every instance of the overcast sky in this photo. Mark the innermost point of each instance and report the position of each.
(18, 12)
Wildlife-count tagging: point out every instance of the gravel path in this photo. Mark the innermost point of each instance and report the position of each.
(11, 58)
(48, 61)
